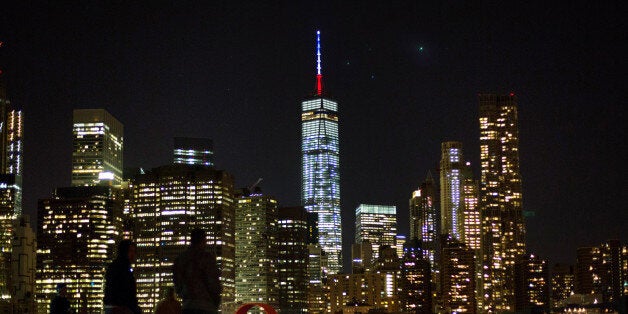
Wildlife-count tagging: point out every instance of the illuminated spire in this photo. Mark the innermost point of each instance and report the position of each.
(319, 75)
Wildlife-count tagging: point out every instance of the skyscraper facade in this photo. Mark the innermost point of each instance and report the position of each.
(458, 277)
(23, 267)
(500, 199)
(451, 194)
(166, 203)
(293, 224)
(424, 217)
(256, 249)
(471, 223)
(317, 279)
(97, 147)
(377, 224)
(603, 270)
(416, 280)
(321, 167)
(11, 148)
(76, 234)
(561, 283)
(532, 290)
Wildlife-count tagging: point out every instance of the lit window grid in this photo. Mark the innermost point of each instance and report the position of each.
(256, 274)
(96, 149)
(377, 224)
(471, 216)
(165, 208)
(88, 223)
(320, 175)
(14, 149)
(500, 197)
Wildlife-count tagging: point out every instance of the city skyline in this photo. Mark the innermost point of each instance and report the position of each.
(395, 100)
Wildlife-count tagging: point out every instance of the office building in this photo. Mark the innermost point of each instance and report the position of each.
(320, 174)
(256, 249)
(400, 241)
(471, 223)
(166, 204)
(424, 217)
(193, 151)
(23, 267)
(531, 284)
(561, 283)
(293, 224)
(389, 265)
(97, 148)
(500, 199)
(451, 194)
(603, 270)
(77, 231)
(11, 155)
(416, 284)
(361, 257)
(372, 289)
(317, 279)
(376, 223)
(457, 277)
(10, 209)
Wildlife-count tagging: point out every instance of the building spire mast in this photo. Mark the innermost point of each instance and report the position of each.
(319, 75)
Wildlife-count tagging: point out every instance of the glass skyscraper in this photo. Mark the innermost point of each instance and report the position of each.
(377, 224)
(97, 147)
(321, 161)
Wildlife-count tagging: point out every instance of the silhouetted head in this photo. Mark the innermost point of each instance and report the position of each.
(126, 250)
(62, 289)
(197, 237)
(169, 294)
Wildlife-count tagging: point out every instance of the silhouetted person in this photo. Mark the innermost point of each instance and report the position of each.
(169, 305)
(120, 291)
(197, 278)
(60, 303)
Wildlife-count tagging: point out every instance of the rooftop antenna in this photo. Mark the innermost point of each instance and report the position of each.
(319, 74)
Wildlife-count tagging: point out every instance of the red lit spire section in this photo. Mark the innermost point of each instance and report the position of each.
(319, 75)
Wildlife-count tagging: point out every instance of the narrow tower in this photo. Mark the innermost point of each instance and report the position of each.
(320, 192)
(503, 227)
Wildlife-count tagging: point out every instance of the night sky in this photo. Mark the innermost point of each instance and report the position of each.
(237, 73)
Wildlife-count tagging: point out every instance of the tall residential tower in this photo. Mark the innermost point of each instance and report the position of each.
(451, 199)
(321, 162)
(500, 199)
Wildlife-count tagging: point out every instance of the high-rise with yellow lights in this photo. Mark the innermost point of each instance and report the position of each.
(11, 148)
(76, 234)
(166, 204)
(503, 226)
(97, 147)
(256, 249)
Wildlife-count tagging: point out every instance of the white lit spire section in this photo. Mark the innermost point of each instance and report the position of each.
(318, 53)
(319, 73)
